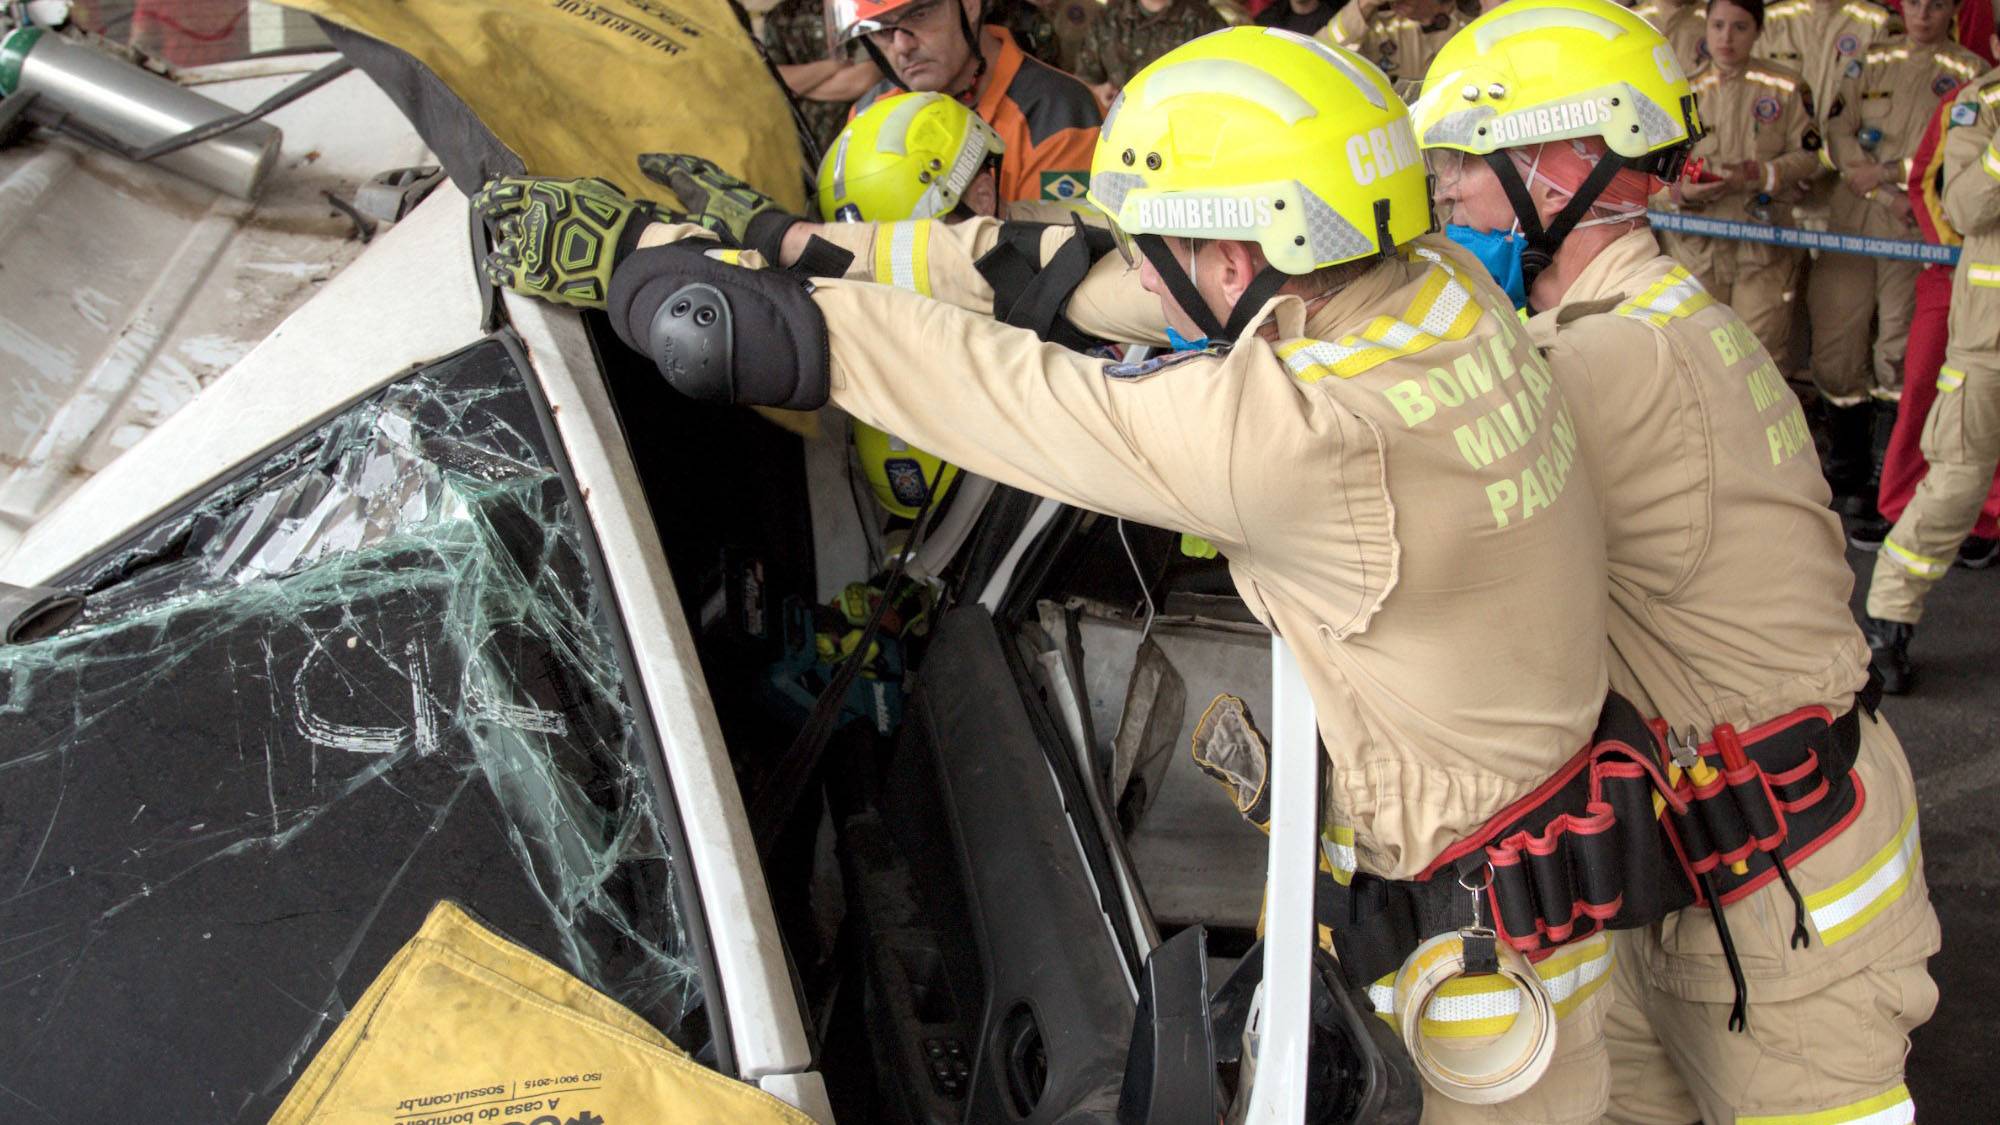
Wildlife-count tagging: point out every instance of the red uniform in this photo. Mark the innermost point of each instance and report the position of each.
(1903, 465)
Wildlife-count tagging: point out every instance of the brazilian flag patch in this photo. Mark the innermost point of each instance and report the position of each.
(1964, 114)
(1062, 187)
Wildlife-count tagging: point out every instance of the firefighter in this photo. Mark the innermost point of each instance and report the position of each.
(1400, 36)
(1729, 598)
(1685, 24)
(1886, 96)
(1047, 118)
(1332, 352)
(1961, 438)
(1760, 140)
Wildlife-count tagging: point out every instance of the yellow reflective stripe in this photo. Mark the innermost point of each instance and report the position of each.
(1890, 1107)
(1923, 566)
(1443, 309)
(1848, 905)
(1337, 846)
(902, 256)
(1949, 379)
(1991, 162)
(1984, 274)
(1470, 1006)
(1676, 295)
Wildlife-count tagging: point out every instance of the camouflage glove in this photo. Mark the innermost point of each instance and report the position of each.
(559, 239)
(721, 202)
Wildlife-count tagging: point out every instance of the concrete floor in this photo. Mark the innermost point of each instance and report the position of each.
(1950, 725)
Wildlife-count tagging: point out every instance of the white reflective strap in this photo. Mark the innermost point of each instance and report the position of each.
(1890, 1107)
(1842, 909)
(1471, 1006)
(1923, 566)
(1337, 843)
(1677, 294)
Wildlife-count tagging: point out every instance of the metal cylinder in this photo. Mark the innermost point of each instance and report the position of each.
(139, 108)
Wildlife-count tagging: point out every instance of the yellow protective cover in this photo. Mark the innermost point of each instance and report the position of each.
(464, 1027)
(582, 87)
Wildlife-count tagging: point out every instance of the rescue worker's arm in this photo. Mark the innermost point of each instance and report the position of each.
(1972, 166)
(1156, 445)
(1354, 27)
(1842, 131)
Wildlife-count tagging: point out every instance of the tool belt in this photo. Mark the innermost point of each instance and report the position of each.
(1614, 841)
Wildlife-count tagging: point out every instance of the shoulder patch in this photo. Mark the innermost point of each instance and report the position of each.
(1051, 101)
(1064, 187)
(1943, 84)
(1853, 69)
(1766, 109)
(1847, 44)
(1139, 369)
(1964, 113)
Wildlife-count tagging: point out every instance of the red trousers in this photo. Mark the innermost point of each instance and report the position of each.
(1903, 466)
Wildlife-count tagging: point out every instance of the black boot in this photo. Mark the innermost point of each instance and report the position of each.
(1889, 653)
(1866, 531)
(1850, 457)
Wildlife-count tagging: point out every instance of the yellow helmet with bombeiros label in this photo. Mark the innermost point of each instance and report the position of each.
(906, 157)
(1532, 71)
(1259, 135)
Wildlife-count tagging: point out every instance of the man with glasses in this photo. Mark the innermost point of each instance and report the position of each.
(1047, 119)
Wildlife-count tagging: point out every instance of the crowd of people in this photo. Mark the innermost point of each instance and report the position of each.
(1421, 451)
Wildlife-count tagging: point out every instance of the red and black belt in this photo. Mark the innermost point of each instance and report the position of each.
(1609, 842)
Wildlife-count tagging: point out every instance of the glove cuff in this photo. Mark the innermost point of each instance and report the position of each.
(765, 233)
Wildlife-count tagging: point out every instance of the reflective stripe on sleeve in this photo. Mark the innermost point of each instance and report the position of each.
(1923, 566)
(1991, 162)
(1983, 274)
(1840, 910)
(1949, 379)
(1444, 309)
(1890, 1107)
(1676, 295)
(902, 256)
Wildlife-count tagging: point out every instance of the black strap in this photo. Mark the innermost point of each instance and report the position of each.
(1261, 289)
(1543, 242)
(1180, 285)
(1029, 293)
(821, 258)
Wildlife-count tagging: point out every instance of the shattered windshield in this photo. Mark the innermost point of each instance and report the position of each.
(374, 672)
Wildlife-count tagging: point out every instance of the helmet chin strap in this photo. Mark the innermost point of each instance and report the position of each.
(1182, 287)
(1543, 242)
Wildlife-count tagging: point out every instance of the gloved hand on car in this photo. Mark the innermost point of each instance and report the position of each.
(559, 239)
(714, 199)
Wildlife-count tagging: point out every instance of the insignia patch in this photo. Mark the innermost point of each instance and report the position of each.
(1766, 109)
(1074, 14)
(1964, 114)
(906, 481)
(1847, 44)
(848, 213)
(1145, 367)
(1061, 187)
(1942, 84)
(1853, 68)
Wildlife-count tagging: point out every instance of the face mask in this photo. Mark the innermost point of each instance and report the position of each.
(1500, 253)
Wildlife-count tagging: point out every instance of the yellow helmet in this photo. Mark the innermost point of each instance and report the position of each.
(1259, 135)
(907, 157)
(1532, 71)
(900, 474)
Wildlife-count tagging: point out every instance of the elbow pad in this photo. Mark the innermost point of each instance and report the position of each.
(723, 333)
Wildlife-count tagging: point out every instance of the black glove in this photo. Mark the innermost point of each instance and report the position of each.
(720, 332)
(721, 202)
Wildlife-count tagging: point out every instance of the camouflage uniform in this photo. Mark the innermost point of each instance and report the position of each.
(1053, 33)
(795, 33)
(1127, 37)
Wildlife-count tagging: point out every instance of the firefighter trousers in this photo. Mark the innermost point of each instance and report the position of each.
(1829, 1023)
(1961, 440)
(1846, 294)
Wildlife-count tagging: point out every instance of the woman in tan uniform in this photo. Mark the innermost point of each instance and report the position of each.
(1761, 139)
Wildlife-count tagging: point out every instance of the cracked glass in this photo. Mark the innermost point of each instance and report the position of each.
(372, 672)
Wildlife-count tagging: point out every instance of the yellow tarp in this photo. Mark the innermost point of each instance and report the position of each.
(582, 87)
(464, 1028)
